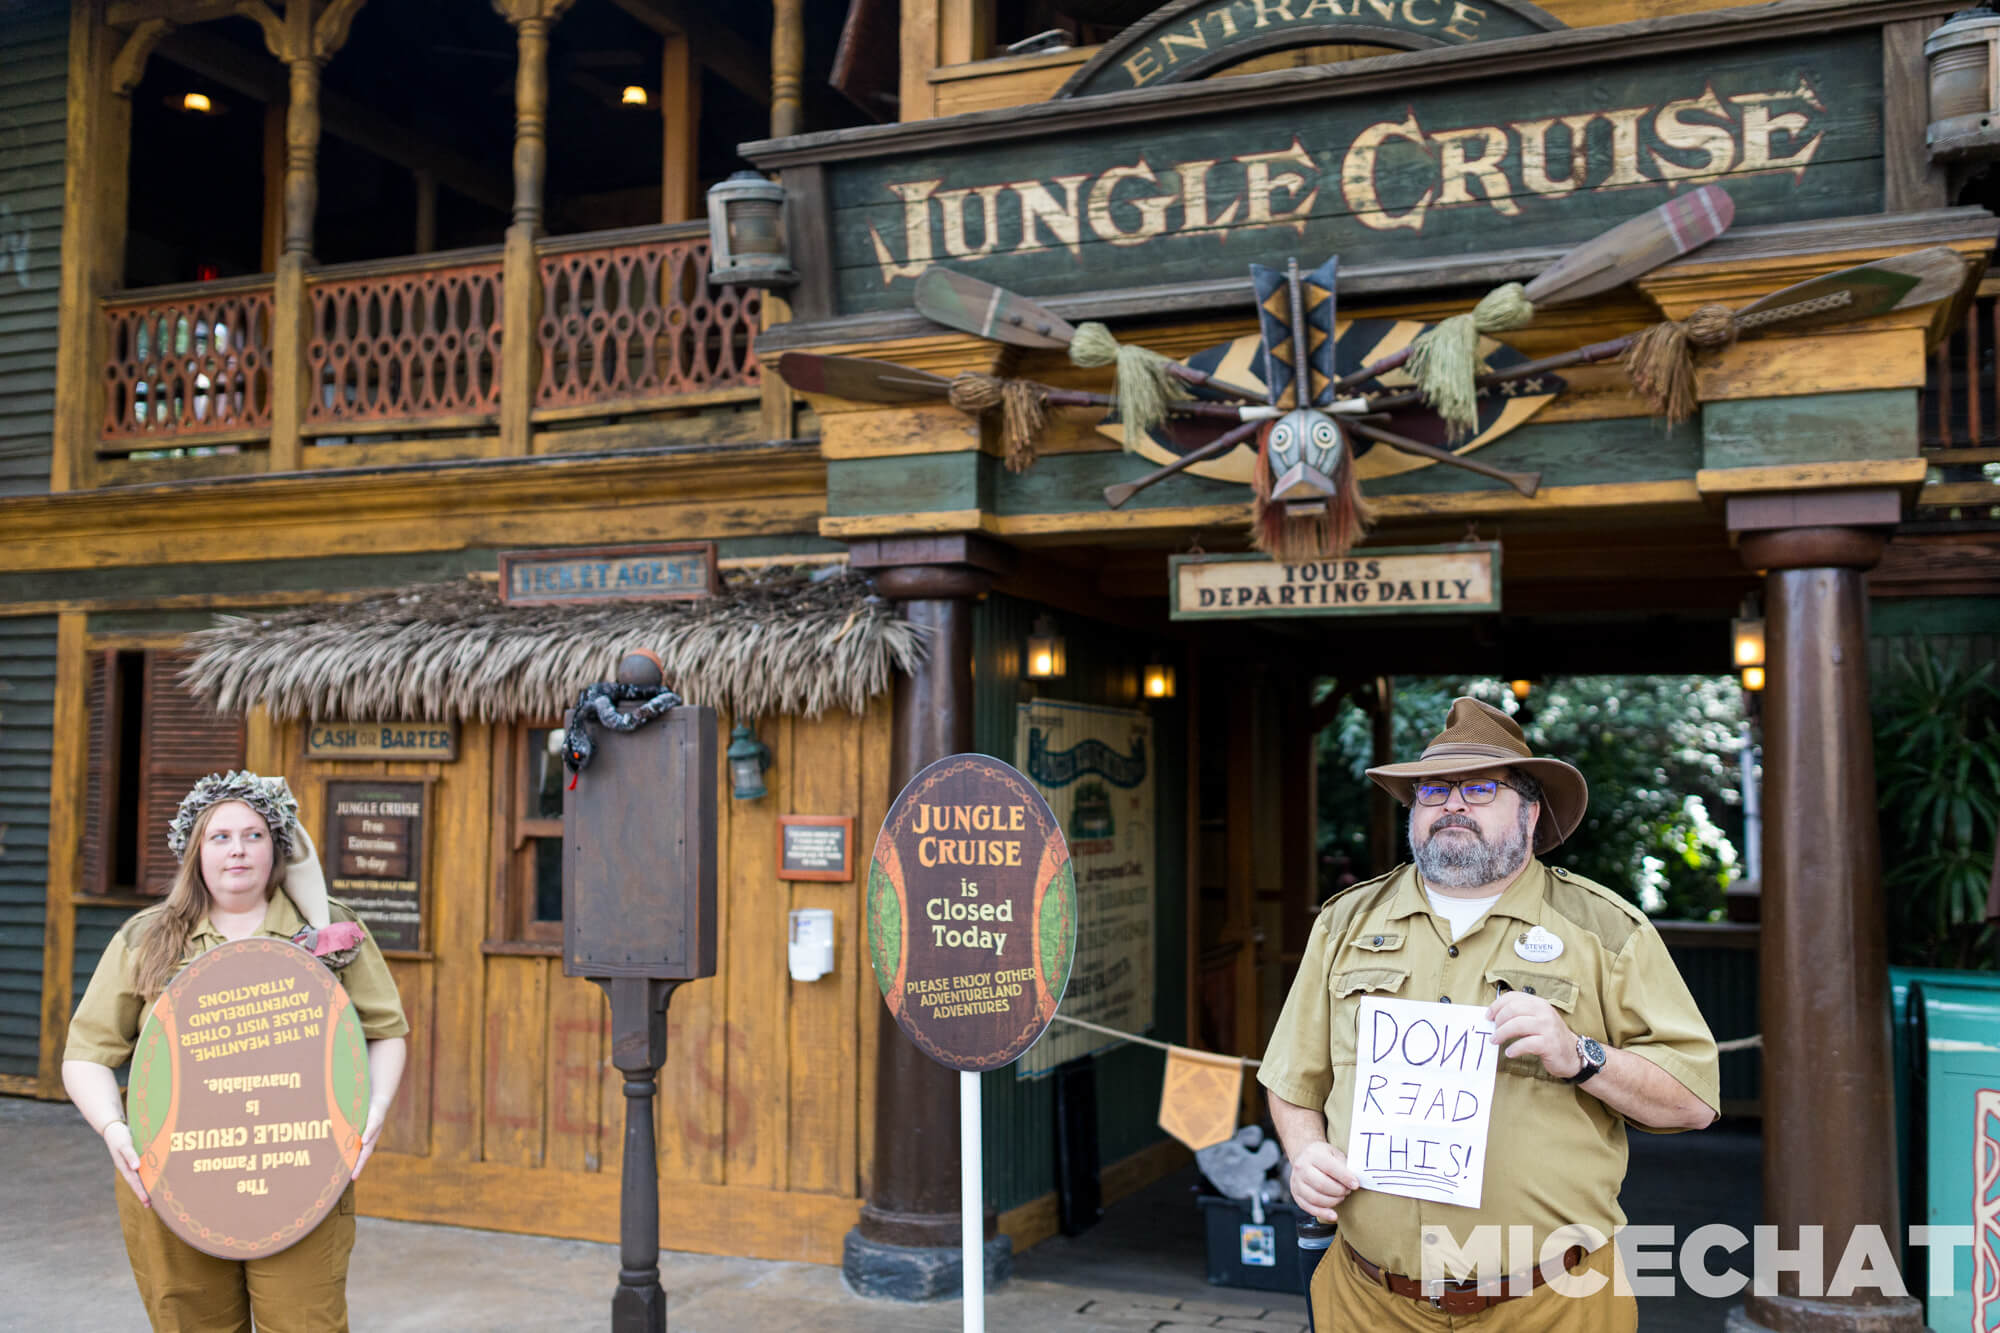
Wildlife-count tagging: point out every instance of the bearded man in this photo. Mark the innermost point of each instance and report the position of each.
(1595, 1029)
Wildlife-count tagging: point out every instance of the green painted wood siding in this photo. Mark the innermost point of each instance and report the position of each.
(1104, 668)
(27, 717)
(34, 60)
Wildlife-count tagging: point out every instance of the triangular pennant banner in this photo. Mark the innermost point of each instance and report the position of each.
(1199, 1096)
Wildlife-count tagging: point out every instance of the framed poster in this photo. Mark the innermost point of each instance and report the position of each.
(816, 847)
(376, 851)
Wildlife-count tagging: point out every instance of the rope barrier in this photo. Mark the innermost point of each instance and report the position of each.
(1722, 1047)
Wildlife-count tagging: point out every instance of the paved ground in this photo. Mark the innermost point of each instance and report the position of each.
(63, 1270)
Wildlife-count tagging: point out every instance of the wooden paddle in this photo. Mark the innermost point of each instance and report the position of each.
(1527, 483)
(860, 378)
(1629, 250)
(1116, 496)
(970, 305)
(1865, 291)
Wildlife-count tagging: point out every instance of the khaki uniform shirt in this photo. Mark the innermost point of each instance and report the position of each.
(1555, 1155)
(107, 1021)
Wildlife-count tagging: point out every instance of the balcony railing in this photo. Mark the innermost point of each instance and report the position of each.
(409, 350)
(1961, 416)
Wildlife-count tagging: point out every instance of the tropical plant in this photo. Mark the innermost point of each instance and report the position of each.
(1937, 775)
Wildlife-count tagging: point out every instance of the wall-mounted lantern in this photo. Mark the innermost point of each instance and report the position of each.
(748, 758)
(1159, 681)
(1747, 639)
(200, 104)
(632, 95)
(747, 246)
(1964, 58)
(1047, 657)
(1753, 678)
(1521, 689)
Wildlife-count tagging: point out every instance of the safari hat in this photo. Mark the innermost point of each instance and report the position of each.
(1479, 736)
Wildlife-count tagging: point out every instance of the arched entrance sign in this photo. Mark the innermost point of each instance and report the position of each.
(1192, 39)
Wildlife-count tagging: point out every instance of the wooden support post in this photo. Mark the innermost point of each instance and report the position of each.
(96, 152)
(918, 101)
(965, 31)
(1248, 695)
(638, 1049)
(67, 777)
(788, 62)
(1825, 967)
(274, 187)
(1383, 844)
(520, 274)
(680, 121)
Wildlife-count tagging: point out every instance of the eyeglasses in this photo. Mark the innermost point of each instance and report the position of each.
(1481, 792)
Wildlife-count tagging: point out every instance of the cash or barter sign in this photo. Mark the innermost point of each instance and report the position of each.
(1423, 1099)
(971, 912)
(375, 848)
(1392, 580)
(248, 1095)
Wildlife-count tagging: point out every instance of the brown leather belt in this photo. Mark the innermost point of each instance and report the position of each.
(1455, 1297)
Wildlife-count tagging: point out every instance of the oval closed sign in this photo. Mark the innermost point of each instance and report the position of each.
(971, 912)
(248, 1095)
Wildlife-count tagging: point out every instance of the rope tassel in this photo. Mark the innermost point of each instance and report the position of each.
(1144, 386)
(1660, 362)
(1444, 360)
(1024, 411)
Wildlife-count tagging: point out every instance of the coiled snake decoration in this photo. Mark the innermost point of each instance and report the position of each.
(601, 702)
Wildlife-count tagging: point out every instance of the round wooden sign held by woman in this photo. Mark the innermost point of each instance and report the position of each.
(248, 1095)
(971, 912)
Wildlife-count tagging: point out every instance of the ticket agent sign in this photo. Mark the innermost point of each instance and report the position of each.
(668, 571)
(1380, 581)
(971, 912)
(248, 1095)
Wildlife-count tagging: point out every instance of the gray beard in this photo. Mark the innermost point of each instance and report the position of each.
(1454, 863)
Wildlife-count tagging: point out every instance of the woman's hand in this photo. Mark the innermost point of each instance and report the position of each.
(377, 1113)
(124, 1156)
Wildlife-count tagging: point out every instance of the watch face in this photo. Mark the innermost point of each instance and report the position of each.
(1592, 1051)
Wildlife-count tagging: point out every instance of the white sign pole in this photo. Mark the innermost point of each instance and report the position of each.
(972, 1202)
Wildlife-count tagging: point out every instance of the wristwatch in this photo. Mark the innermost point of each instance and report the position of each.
(1592, 1055)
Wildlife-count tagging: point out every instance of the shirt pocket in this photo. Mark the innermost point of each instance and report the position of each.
(1364, 979)
(1557, 989)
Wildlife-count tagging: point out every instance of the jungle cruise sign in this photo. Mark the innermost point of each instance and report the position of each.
(1791, 128)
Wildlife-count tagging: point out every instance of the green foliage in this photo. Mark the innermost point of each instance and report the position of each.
(1660, 754)
(1937, 774)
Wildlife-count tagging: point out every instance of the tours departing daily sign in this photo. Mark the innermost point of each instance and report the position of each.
(971, 912)
(248, 1096)
(1367, 581)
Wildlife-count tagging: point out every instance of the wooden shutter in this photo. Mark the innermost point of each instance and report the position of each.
(100, 787)
(182, 741)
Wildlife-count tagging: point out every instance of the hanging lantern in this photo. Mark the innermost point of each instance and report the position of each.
(1753, 678)
(1159, 681)
(1521, 689)
(748, 758)
(1047, 659)
(1964, 57)
(746, 233)
(1747, 638)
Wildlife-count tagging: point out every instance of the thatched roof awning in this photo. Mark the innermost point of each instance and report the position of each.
(446, 652)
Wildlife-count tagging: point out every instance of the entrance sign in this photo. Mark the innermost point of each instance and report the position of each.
(672, 571)
(1094, 766)
(1370, 581)
(1191, 39)
(971, 912)
(248, 1095)
(1446, 166)
(1423, 1099)
(375, 845)
(383, 740)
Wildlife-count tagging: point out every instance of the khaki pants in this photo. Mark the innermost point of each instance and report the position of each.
(302, 1289)
(1345, 1301)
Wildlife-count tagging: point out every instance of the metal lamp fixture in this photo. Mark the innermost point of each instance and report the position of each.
(1747, 638)
(1159, 681)
(1047, 657)
(748, 758)
(1964, 58)
(1753, 678)
(746, 233)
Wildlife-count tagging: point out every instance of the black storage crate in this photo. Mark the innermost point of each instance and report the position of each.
(1224, 1220)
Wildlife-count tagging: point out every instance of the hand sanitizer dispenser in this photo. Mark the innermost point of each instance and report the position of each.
(811, 948)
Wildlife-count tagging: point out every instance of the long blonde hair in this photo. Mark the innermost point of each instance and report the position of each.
(161, 937)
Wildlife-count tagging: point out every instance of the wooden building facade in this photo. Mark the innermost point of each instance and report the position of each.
(517, 346)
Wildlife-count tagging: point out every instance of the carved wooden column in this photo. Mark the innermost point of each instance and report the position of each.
(304, 38)
(788, 64)
(105, 64)
(1828, 1097)
(521, 278)
(907, 1243)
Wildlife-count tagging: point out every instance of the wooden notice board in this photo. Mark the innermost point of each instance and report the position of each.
(375, 852)
(816, 847)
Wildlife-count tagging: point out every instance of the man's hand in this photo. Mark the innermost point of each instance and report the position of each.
(1321, 1179)
(124, 1156)
(1529, 1025)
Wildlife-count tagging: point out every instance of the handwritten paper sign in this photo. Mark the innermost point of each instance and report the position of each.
(1423, 1099)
